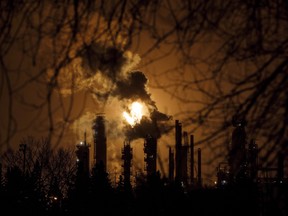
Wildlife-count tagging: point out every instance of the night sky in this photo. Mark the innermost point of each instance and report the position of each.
(63, 63)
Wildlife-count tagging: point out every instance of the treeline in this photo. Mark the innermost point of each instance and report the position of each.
(36, 178)
(39, 180)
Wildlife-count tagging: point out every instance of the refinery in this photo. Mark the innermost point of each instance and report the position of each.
(184, 161)
(242, 186)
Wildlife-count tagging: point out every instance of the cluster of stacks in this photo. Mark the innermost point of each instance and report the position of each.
(181, 160)
(242, 165)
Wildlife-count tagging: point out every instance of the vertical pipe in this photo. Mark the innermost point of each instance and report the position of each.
(150, 151)
(171, 165)
(178, 148)
(199, 168)
(127, 158)
(192, 158)
(100, 141)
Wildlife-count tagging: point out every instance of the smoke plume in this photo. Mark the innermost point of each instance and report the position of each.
(133, 88)
(107, 73)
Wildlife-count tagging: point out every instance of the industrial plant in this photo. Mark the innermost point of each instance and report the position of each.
(243, 186)
(181, 163)
(241, 164)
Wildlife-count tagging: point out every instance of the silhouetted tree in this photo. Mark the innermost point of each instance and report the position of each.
(46, 179)
(120, 184)
(230, 59)
(55, 197)
(65, 40)
(232, 62)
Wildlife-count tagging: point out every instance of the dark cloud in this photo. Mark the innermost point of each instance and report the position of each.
(99, 58)
(146, 127)
(159, 116)
(141, 130)
(109, 61)
(133, 87)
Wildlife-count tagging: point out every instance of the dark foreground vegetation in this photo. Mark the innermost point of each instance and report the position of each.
(53, 184)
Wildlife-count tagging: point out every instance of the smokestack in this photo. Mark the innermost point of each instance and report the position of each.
(185, 137)
(192, 159)
(150, 149)
(100, 146)
(127, 158)
(171, 165)
(83, 168)
(184, 159)
(178, 133)
(199, 168)
(178, 145)
(237, 152)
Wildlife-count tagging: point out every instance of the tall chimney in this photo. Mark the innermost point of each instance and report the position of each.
(171, 165)
(127, 158)
(184, 158)
(83, 168)
(192, 159)
(100, 146)
(150, 150)
(178, 146)
(199, 168)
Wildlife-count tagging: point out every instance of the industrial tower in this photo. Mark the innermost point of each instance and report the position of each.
(184, 157)
(178, 148)
(237, 155)
(82, 153)
(100, 145)
(150, 150)
(127, 158)
(171, 165)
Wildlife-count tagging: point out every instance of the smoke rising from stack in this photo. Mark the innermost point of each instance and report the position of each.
(107, 73)
(132, 88)
(110, 63)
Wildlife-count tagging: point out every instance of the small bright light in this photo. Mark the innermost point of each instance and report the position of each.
(81, 143)
(223, 182)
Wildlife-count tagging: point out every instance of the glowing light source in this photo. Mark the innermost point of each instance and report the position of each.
(137, 111)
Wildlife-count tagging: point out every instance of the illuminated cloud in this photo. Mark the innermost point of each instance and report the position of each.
(107, 72)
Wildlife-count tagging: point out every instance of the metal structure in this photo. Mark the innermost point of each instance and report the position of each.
(171, 164)
(100, 145)
(83, 159)
(150, 150)
(127, 158)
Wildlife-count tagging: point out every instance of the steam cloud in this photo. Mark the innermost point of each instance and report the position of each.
(108, 73)
(134, 88)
